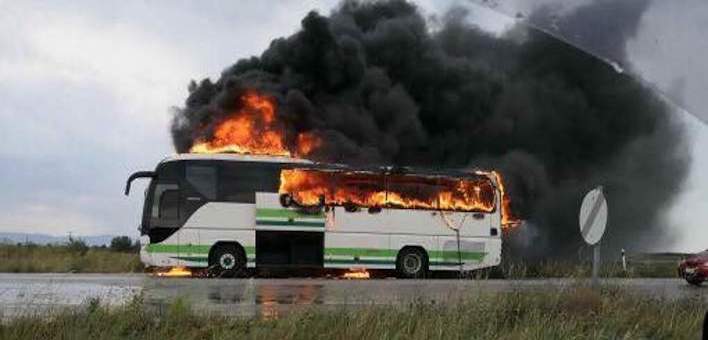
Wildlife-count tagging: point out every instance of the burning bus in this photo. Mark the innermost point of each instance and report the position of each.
(246, 197)
(232, 212)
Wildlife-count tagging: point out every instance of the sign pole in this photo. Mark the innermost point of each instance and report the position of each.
(593, 221)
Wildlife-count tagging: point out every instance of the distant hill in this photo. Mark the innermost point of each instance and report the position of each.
(13, 238)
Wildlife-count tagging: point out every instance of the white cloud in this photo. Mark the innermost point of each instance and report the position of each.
(73, 78)
(52, 219)
(85, 95)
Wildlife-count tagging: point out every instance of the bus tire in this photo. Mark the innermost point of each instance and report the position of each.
(412, 263)
(227, 261)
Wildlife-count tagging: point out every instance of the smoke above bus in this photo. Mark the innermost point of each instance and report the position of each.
(374, 83)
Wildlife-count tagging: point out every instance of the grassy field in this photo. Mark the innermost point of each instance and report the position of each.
(576, 313)
(66, 259)
(660, 265)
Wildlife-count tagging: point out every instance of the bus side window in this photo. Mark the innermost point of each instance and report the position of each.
(239, 181)
(203, 179)
(171, 204)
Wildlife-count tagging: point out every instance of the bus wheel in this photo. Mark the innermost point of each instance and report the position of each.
(412, 263)
(227, 261)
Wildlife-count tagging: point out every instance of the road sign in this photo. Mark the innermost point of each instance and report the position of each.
(593, 216)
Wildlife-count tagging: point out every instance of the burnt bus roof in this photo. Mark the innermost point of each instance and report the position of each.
(396, 170)
(308, 164)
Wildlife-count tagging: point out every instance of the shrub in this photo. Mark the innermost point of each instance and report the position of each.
(122, 243)
(77, 246)
(61, 259)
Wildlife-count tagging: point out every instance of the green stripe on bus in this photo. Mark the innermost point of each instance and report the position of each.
(339, 261)
(443, 263)
(188, 249)
(330, 261)
(452, 255)
(374, 252)
(191, 258)
(178, 248)
(445, 256)
(290, 223)
(285, 213)
(385, 262)
(201, 259)
(362, 252)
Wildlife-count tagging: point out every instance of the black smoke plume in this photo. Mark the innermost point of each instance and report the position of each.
(380, 86)
(601, 28)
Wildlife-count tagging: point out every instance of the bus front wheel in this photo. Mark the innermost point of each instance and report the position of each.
(227, 261)
(412, 263)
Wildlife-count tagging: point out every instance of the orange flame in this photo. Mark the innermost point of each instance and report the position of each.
(508, 219)
(307, 142)
(176, 272)
(254, 129)
(356, 274)
(310, 187)
(251, 130)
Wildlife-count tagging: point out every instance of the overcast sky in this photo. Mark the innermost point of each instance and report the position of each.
(86, 91)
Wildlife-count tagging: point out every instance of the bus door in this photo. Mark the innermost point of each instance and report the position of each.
(288, 236)
(359, 228)
(165, 212)
(198, 189)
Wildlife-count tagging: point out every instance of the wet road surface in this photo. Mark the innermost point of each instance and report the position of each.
(42, 293)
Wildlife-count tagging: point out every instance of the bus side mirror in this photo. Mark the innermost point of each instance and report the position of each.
(139, 174)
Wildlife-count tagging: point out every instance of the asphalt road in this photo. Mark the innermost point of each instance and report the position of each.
(44, 293)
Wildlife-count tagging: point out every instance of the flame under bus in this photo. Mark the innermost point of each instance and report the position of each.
(228, 212)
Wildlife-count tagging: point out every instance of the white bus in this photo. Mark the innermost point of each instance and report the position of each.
(228, 212)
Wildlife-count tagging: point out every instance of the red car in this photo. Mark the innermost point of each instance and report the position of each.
(695, 268)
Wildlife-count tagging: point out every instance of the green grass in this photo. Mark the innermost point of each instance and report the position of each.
(576, 313)
(638, 266)
(64, 259)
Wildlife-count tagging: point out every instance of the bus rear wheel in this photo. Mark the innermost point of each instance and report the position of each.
(227, 261)
(412, 263)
